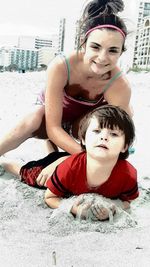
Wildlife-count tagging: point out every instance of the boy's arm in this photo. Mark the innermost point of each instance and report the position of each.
(126, 205)
(122, 204)
(48, 171)
(52, 200)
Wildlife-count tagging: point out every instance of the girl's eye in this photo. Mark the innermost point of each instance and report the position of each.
(96, 131)
(114, 51)
(94, 47)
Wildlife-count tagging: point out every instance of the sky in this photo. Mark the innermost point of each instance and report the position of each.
(40, 17)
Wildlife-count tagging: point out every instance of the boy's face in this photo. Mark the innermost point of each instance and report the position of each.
(103, 143)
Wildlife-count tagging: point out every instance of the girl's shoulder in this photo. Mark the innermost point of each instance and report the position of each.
(60, 64)
(116, 71)
(69, 59)
(60, 58)
(119, 78)
(73, 58)
(121, 74)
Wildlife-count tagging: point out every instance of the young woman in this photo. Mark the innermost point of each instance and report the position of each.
(79, 82)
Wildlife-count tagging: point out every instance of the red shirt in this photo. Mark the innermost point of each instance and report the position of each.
(70, 178)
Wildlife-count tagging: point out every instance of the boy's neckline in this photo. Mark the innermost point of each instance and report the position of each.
(95, 187)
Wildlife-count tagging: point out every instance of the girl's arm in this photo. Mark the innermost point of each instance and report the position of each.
(119, 94)
(56, 81)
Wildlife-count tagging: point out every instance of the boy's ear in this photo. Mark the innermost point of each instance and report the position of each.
(125, 149)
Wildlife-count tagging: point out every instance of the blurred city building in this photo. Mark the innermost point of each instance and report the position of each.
(24, 59)
(4, 58)
(141, 57)
(33, 52)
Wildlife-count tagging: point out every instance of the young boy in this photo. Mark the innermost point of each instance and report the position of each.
(105, 134)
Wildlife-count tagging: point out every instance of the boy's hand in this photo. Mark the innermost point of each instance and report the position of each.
(43, 176)
(48, 171)
(101, 212)
(81, 208)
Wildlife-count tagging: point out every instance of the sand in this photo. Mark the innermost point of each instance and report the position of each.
(30, 232)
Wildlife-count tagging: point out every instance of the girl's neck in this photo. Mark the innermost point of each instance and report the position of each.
(105, 76)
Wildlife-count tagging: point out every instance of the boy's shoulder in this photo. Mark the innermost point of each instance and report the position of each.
(73, 164)
(124, 166)
(76, 159)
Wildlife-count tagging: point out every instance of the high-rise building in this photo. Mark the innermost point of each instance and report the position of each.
(45, 55)
(24, 59)
(61, 35)
(142, 42)
(50, 41)
(33, 51)
(55, 40)
(5, 57)
(143, 46)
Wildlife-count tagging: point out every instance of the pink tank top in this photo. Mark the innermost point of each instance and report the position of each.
(73, 108)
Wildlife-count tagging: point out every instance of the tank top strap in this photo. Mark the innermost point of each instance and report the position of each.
(116, 76)
(67, 65)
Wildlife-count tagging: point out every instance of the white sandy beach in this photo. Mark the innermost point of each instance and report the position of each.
(30, 232)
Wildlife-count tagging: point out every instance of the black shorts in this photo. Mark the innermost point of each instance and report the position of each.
(30, 171)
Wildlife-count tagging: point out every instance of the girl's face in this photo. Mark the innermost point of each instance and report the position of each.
(103, 143)
(103, 49)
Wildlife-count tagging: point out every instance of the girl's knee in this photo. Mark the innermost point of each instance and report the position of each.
(38, 123)
(38, 114)
(35, 118)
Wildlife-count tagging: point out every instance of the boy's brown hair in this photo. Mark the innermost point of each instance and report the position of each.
(110, 116)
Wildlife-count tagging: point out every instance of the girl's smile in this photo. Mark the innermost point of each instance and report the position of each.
(103, 49)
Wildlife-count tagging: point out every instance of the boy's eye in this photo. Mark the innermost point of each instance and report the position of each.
(114, 134)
